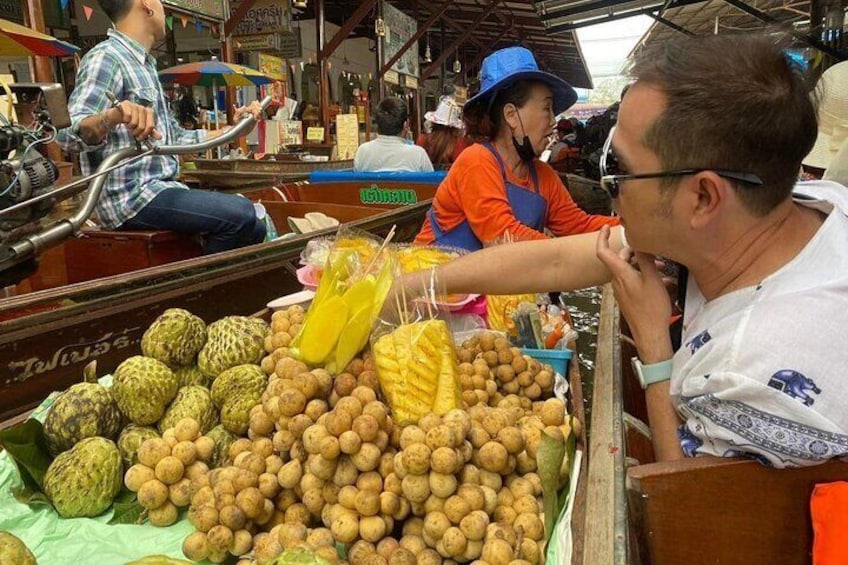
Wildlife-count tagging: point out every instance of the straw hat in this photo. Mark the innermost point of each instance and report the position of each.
(505, 67)
(311, 222)
(833, 116)
(449, 113)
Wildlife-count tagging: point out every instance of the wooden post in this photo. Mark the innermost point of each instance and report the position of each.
(381, 84)
(42, 67)
(323, 78)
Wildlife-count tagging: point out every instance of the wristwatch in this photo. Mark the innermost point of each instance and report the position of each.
(653, 373)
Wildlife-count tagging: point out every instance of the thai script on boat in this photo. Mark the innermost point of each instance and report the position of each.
(376, 195)
(70, 355)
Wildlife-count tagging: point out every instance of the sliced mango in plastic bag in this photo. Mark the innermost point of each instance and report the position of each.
(321, 330)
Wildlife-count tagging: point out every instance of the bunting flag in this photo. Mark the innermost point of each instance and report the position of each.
(88, 11)
(198, 25)
(184, 20)
(65, 4)
(214, 29)
(169, 20)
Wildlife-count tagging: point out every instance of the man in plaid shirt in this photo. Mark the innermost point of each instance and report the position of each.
(143, 195)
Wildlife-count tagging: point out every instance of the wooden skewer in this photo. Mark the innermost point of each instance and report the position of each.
(386, 241)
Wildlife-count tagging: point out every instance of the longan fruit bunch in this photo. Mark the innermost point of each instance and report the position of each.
(229, 504)
(387, 551)
(477, 382)
(359, 372)
(285, 325)
(166, 466)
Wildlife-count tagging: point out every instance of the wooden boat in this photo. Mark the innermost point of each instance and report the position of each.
(236, 173)
(47, 337)
(696, 510)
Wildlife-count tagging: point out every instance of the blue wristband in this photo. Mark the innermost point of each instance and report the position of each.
(653, 373)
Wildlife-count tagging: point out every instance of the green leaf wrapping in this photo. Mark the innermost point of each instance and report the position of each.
(549, 457)
(27, 447)
(127, 510)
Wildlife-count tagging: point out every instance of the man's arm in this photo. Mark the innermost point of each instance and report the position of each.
(549, 265)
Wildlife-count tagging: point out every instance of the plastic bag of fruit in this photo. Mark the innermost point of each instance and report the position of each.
(356, 279)
(416, 361)
(500, 308)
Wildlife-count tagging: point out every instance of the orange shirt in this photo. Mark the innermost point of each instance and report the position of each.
(474, 190)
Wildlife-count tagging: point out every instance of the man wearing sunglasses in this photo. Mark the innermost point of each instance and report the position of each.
(701, 168)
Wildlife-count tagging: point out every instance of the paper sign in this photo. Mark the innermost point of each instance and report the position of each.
(391, 77)
(347, 135)
(315, 134)
(291, 132)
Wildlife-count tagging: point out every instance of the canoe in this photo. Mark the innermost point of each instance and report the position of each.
(47, 337)
(236, 173)
(696, 510)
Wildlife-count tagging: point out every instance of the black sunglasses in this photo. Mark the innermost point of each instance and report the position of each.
(611, 179)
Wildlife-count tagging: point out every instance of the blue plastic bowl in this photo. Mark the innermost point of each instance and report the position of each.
(556, 358)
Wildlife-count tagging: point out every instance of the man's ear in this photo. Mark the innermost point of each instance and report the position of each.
(707, 195)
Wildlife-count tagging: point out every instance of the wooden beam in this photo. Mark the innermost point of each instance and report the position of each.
(42, 67)
(422, 29)
(363, 10)
(232, 23)
(323, 75)
(453, 46)
(452, 24)
(476, 61)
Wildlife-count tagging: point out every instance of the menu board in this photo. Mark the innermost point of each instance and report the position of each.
(347, 135)
(212, 8)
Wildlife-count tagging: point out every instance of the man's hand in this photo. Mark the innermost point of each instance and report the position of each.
(254, 108)
(140, 120)
(642, 297)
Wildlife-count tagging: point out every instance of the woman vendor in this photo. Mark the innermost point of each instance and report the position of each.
(499, 185)
(445, 137)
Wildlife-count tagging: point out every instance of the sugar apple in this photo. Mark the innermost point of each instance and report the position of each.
(13, 550)
(84, 410)
(231, 341)
(193, 402)
(83, 481)
(238, 381)
(131, 439)
(174, 338)
(235, 415)
(223, 439)
(143, 388)
(192, 375)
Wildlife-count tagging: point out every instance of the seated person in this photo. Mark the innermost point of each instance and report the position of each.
(390, 151)
(829, 156)
(701, 167)
(445, 137)
(500, 185)
(143, 195)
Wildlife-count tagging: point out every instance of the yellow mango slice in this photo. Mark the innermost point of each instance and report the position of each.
(352, 340)
(360, 295)
(321, 330)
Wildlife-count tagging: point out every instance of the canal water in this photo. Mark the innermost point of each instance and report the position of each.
(585, 307)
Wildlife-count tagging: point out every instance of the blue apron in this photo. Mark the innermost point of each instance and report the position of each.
(528, 207)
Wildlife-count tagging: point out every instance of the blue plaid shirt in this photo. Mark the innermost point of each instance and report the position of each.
(121, 66)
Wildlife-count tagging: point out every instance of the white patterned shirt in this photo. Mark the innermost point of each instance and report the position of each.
(763, 370)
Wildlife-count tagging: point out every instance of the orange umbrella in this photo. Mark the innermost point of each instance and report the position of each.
(19, 40)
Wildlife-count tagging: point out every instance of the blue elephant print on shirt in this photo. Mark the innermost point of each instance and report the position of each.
(698, 341)
(795, 385)
(689, 442)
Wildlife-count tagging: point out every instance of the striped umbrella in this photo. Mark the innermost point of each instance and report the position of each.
(18, 40)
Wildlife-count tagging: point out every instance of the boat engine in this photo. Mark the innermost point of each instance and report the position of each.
(25, 173)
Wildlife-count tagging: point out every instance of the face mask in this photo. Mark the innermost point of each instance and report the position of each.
(525, 149)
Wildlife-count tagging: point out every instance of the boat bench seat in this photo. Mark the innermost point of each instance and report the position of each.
(98, 253)
(720, 510)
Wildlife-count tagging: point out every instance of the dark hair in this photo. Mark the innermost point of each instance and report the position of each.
(440, 144)
(484, 117)
(734, 102)
(390, 116)
(116, 9)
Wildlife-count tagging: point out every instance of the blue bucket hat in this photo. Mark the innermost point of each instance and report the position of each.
(504, 67)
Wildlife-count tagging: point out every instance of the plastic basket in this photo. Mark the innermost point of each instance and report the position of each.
(556, 358)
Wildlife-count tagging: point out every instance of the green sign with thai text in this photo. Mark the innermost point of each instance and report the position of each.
(375, 195)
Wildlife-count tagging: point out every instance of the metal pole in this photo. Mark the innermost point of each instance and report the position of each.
(323, 87)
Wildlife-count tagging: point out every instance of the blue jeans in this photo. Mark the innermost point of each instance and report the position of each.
(226, 221)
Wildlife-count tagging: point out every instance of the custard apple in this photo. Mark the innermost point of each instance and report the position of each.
(83, 481)
(235, 415)
(193, 402)
(223, 439)
(231, 341)
(242, 380)
(143, 388)
(174, 338)
(192, 375)
(131, 439)
(13, 550)
(84, 410)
